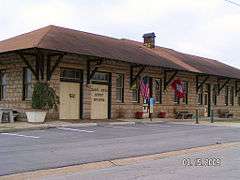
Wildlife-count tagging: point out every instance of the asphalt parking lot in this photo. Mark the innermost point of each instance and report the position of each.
(58, 147)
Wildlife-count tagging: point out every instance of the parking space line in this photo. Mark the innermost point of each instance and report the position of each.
(20, 135)
(124, 127)
(76, 130)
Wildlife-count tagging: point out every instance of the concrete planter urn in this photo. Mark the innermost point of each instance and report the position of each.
(36, 116)
(44, 98)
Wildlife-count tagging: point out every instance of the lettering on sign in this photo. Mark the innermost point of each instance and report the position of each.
(72, 95)
(99, 94)
(99, 99)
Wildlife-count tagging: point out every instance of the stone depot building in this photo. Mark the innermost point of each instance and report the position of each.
(97, 77)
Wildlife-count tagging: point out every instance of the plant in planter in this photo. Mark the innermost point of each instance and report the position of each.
(44, 98)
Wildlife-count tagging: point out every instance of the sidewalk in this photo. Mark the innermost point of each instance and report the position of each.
(20, 126)
(208, 123)
(202, 121)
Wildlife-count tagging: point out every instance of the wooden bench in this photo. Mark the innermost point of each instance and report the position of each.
(183, 115)
(223, 113)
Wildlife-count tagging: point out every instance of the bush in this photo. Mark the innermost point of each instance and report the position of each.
(44, 97)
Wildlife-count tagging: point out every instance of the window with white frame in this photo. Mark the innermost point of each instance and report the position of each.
(226, 95)
(200, 96)
(158, 91)
(215, 94)
(27, 84)
(135, 95)
(232, 96)
(120, 87)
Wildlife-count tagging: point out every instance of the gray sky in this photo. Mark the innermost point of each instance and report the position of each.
(209, 28)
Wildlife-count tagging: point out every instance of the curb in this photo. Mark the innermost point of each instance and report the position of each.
(67, 125)
(121, 123)
(24, 129)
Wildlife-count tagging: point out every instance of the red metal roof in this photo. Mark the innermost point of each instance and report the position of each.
(78, 42)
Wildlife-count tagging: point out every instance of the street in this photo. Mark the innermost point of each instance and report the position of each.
(171, 168)
(59, 147)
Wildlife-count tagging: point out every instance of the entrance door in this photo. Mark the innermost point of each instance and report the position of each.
(99, 101)
(69, 100)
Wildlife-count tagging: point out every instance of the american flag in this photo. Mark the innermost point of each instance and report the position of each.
(144, 88)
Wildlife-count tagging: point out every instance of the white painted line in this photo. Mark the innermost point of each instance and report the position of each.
(77, 130)
(20, 135)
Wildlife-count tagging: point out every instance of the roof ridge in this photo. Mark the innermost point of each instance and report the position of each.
(44, 36)
(94, 34)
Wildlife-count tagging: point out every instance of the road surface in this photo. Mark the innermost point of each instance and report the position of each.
(58, 147)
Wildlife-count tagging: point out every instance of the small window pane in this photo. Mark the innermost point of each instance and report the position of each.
(215, 93)
(4, 79)
(200, 96)
(100, 77)
(3, 86)
(232, 96)
(28, 76)
(28, 86)
(158, 90)
(70, 75)
(226, 95)
(119, 87)
(135, 95)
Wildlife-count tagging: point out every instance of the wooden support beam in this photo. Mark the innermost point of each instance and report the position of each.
(199, 86)
(60, 57)
(88, 72)
(95, 67)
(166, 80)
(51, 69)
(37, 67)
(92, 73)
(48, 67)
(133, 78)
(21, 55)
(41, 65)
(224, 84)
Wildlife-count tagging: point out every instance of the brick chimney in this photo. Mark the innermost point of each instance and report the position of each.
(149, 40)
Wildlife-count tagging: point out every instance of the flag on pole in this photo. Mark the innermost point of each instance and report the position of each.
(177, 85)
(144, 88)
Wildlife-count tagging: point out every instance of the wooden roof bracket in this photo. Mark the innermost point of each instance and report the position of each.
(133, 78)
(168, 81)
(237, 89)
(51, 69)
(39, 63)
(92, 67)
(223, 85)
(199, 86)
(29, 66)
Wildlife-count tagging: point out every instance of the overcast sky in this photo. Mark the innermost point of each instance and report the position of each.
(209, 28)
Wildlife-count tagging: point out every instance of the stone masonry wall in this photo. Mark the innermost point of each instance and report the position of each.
(13, 67)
